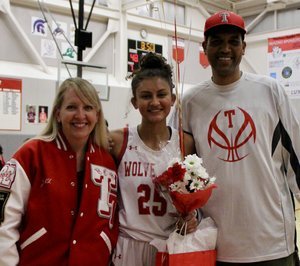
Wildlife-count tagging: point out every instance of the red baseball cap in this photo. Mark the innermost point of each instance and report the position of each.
(222, 18)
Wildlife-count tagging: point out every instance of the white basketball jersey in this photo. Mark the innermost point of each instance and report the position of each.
(144, 210)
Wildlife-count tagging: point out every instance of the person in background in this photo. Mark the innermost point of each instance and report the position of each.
(248, 136)
(143, 152)
(2, 162)
(42, 115)
(31, 114)
(59, 190)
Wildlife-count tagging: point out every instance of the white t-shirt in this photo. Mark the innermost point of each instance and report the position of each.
(237, 133)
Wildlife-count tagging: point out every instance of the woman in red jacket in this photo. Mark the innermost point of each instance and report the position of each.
(2, 162)
(58, 192)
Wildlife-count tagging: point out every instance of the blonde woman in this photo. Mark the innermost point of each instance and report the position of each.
(59, 189)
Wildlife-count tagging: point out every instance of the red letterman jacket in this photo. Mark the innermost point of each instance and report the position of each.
(45, 222)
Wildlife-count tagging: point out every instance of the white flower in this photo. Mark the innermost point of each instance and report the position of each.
(196, 184)
(212, 180)
(178, 186)
(201, 172)
(187, 177)
(192, 162)
(174, 187)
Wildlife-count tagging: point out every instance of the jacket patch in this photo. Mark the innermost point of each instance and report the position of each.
(106, 179)
(7, 175)
(3, 200)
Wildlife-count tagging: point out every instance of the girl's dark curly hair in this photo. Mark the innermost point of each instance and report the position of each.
(151, 65)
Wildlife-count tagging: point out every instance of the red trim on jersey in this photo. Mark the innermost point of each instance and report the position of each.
(124, 145)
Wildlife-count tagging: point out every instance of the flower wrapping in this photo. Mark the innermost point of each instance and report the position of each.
(185, 203)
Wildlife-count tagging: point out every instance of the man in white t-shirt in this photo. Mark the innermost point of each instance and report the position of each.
(248, 136)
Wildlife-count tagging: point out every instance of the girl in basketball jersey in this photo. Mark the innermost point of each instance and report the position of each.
(143, 152)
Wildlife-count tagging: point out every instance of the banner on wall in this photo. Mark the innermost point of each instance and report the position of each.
(284, 62)
(10, 103)
(178, 54)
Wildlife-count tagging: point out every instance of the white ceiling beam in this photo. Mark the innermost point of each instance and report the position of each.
(216, 5)
(249, 3)
(196, 5)
(5, 7)
(276, 6)
(112, 27)
(134, 4)
(263, 37)
(99, 12)
(163, 26)
(255, 21)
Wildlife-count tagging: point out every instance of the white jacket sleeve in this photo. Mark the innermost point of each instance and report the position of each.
(14, 193)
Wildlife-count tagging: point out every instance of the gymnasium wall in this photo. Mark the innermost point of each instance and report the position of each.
(39, 87)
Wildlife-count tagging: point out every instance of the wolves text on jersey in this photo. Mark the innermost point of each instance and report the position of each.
(133, 168)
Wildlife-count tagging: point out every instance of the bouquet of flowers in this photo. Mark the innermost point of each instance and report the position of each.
(187, 182)
(189, 187)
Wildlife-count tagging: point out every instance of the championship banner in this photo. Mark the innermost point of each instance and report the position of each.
(178, 55)
(203, 58)
(284, 62)
(10, 103)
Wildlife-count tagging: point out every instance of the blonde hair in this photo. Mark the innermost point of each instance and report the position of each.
(88, 94)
